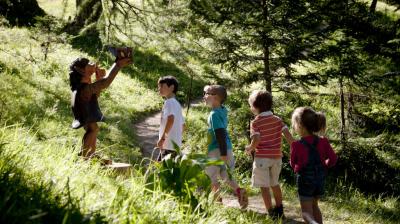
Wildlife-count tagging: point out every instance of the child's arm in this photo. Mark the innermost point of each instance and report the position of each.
(293, 160)
(220, 135)
(168, 126)
(255, 139)
(332, 157)
(289, 138)
(106, 81)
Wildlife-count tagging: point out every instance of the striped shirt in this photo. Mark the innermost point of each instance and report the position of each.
(269, 127)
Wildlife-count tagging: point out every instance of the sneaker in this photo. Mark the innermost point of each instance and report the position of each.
(279, 212)
(271, 213)
(242, 198)
(276, 213)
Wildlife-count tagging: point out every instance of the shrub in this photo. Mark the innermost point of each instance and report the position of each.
(360, 166)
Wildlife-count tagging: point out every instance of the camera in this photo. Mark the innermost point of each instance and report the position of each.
(120, 52)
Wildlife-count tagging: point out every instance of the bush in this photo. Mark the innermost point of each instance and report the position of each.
(360, 166)
(182, 176)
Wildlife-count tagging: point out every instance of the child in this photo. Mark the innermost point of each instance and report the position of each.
(172, 121)
(219, 143)
(84, 95)
(309, 158)
(266, 138)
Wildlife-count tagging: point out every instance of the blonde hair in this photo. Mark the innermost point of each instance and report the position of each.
(309, 120)
(219, 90)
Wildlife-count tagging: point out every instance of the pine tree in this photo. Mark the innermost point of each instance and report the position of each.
(258, 39)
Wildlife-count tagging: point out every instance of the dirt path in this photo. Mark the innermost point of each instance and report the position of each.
(147, 131)
(147, 134)
(256, 204)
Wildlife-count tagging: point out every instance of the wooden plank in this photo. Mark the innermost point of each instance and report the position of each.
(120, 168)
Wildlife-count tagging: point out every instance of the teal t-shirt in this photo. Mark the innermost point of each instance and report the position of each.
(218, 118)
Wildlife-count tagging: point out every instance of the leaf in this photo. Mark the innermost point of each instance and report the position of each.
(176, 147)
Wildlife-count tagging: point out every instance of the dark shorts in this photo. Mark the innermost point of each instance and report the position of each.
(309, 188)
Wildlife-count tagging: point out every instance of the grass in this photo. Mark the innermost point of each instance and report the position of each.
(59, 8)
(95, 193)
(50, 184)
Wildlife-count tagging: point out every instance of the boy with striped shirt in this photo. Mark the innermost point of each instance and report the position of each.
(266, 141)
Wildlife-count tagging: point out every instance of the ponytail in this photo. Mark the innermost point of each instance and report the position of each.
(75, 76)
(74, 80)
(321, 121)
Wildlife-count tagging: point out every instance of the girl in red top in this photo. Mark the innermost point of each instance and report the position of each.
(310, 157)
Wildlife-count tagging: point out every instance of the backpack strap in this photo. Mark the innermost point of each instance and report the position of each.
(308, 145)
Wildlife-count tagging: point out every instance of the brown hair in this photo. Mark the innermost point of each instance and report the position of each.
(169, 80)
(261, 99)
(219, 90)
(308, 119)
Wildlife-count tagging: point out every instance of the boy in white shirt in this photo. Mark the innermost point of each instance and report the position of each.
(172, 121)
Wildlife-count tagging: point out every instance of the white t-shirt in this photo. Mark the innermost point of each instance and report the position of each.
(172, 107)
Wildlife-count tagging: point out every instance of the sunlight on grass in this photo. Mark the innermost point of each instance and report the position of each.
(64, 9)
(36, 140)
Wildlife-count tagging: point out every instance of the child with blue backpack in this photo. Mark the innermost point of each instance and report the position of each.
(310, 157)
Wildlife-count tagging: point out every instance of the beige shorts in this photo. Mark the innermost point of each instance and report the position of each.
(220, 172)
(266, 172)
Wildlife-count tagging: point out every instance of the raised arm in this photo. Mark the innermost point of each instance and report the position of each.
(107, 80)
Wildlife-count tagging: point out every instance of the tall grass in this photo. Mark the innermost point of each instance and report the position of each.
(64, 184)
(39, 164)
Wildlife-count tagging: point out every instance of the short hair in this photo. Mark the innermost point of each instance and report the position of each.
(169, 80)
(261, 99)
(308, 119)
(219, 90)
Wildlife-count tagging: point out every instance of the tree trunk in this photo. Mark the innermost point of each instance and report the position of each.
(88, 11)
(342, 117)
(350, 111)
(22, 12)
(266, 52)
(189, 96)
(373, 5)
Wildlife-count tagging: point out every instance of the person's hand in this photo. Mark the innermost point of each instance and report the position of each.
(100, 73)
(160, 143)
(248, 149)
(124, 62)
(224, 158)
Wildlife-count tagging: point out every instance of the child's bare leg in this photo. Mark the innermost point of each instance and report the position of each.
(215, 188)
(266, 197)
(277, 195)
(239, 192)
(307, 211)
(89, 139)
(232, 183)
(317, 211)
